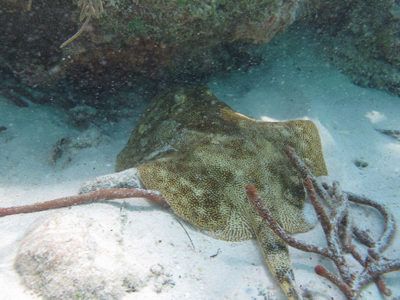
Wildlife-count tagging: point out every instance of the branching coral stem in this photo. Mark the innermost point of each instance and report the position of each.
(89, 9)
(100, 195)
(77, 34)
(256, 201)
(331, 206)
(344, 287)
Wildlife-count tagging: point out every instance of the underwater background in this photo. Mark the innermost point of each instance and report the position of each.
(76, 77)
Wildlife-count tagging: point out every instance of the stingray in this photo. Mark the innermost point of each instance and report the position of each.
(200, 154)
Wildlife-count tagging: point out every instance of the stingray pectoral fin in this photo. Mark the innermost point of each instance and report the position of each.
(293, 220)
(306, 141)
(277, 258)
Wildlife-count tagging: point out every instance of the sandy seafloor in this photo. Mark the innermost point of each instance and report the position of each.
(297, 83)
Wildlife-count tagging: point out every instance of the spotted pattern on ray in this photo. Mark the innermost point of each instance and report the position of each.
(200, 154)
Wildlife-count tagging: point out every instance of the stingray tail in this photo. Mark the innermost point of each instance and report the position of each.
(277, 258)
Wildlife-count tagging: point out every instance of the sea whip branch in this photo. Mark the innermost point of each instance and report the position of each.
(100, 195)
(331, 206)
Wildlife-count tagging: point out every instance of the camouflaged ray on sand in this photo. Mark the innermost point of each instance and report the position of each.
(200, 154)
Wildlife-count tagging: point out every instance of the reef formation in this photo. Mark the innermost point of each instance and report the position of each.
(96, 48)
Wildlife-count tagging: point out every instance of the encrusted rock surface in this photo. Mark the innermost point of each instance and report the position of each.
(362, 38)
(71, 256)
(151, 44)
(74, 256)
(123, 41)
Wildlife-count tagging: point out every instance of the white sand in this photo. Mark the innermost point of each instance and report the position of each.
(297, 83)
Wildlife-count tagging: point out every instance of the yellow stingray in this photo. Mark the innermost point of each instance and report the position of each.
(200, 154)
